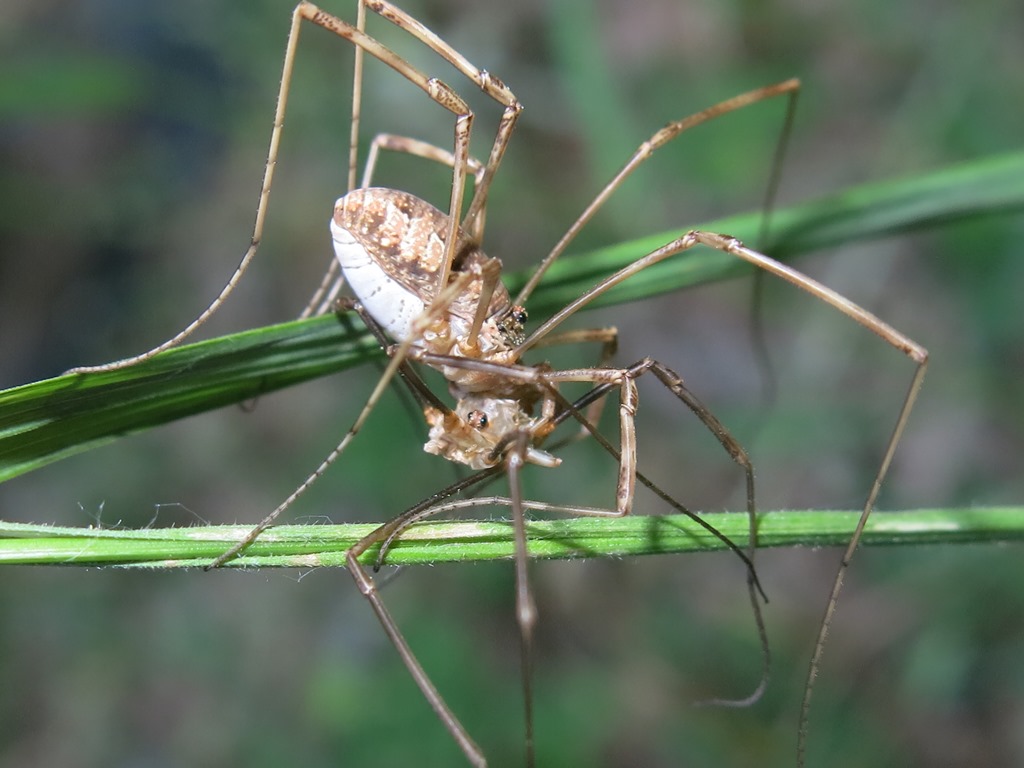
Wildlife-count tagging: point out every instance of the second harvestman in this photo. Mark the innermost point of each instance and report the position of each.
(423, 284)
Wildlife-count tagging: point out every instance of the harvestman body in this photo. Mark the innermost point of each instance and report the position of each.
(422, 280)
(390, 247)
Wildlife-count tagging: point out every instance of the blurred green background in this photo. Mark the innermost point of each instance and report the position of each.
(133, 138)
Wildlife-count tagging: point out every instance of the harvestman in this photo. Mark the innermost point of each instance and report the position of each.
(421, 279)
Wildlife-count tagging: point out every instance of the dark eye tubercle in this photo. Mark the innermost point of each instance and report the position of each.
(512, 323)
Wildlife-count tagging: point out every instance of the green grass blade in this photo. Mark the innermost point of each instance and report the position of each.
(55, 418)
(308, 546)
(52, 419)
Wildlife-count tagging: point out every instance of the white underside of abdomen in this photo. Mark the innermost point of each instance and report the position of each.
(392, 305)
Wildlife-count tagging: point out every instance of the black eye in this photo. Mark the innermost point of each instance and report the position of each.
(519, 315)
(477, 419)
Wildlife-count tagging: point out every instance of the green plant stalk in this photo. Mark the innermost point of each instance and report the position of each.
(311, 546)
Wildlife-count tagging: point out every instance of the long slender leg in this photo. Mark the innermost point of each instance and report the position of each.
(327, 292)
(437, 90)
(643, 152)
(332, 281)
(488, 83)
(411, 146)
(526, 607)
(826, 622)
(628, 475)
(917, 354)
(758, 341)
(357, 101)
(675, 385)
(574, 411)
(261, 213)
(445, 96)
(368, 588)
(608, 338)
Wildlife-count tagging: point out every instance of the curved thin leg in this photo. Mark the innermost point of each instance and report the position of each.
(257, 232)
(488, 83)
(526, 607)
(368, 588)
(410, 146)
(628, 474)
(914, 351)
(789, 88)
